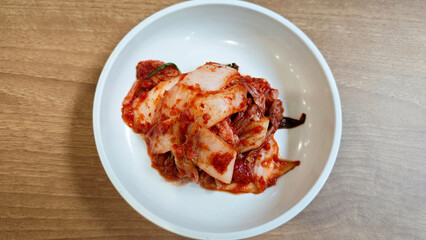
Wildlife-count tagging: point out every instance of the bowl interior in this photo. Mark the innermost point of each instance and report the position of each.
(262, 47)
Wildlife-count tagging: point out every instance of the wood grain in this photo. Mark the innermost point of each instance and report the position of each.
(52, 184)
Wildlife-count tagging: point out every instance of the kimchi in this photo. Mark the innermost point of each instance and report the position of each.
(212, 126)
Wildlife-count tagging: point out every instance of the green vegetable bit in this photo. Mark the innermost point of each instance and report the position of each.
(161, 68)
(233, 65)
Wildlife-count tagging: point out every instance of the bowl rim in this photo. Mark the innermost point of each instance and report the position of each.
(292, 212)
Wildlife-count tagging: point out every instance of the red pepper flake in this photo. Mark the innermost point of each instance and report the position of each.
(164, 117)
(174, 111)
(178, 150)
(185, 119)
(194, 88)
(143, 96)
(164, 126)
(242, 172)
(220, 162)
(264, 163)
(165, 165)
(267, 146)
(262, 184)
(204, 146)
(244, 142)
(206, 118)
(127, 115)
(141, 128)
(257, 129)
(243, 104)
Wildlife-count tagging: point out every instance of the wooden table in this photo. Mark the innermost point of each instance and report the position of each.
(52, 184)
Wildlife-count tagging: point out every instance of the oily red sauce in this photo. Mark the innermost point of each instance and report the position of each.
(273, 180)
(191, 151)
(165, 165)
(261, 184)
(127, 114)
(185, 119)
(242, 172)
(220, 161)
(141, 128)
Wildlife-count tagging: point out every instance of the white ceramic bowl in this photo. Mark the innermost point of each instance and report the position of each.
(263, 44)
